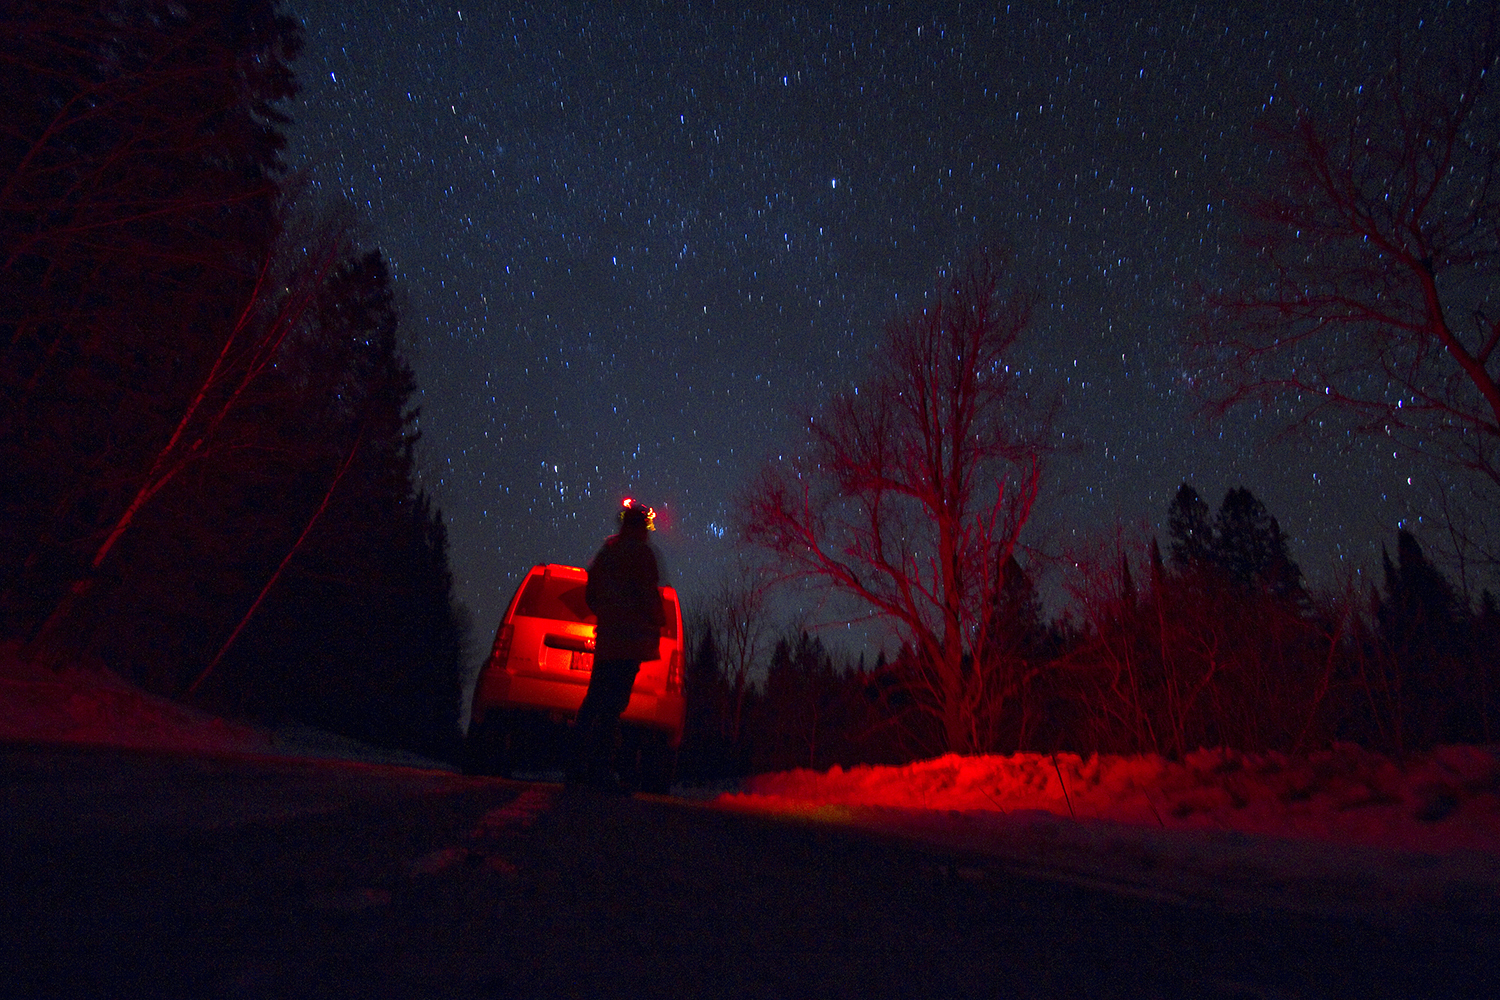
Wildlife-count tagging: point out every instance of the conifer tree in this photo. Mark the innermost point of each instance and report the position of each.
(1243, 544)
(1249, 548)
(1427, 632)
(203, 408)
(363, 620)
(139, 187)
(1189, 529)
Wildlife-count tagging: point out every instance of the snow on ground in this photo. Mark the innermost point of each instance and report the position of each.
(1442, 801)
(73, 705)
(97, 707)
(1341, 831)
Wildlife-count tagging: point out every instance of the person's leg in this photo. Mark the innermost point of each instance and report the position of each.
(580, 751)
(597, 726)
(616, 679)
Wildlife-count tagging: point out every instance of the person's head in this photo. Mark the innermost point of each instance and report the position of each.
(635, 519)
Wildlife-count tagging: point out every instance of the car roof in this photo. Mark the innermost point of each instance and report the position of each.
(575, 573)
(558, 569)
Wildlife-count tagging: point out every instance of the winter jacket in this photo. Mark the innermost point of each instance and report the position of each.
(623, 594)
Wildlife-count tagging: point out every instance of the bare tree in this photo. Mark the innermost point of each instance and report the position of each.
(911, 492)
(1379, 236)
(740, 621)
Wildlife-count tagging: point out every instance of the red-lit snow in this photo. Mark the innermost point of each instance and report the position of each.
(72, 705)
(1340, 830)
(97, 707)
(1443, 800)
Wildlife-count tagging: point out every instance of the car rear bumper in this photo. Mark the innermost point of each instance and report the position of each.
(559, 695)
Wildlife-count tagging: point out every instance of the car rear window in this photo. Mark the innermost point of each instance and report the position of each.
(562, 600)
(554, 597)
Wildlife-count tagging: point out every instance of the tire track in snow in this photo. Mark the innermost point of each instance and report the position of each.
(490, 843)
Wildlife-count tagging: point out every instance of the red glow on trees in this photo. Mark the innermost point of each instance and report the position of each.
(911, 495)
(1377, 257)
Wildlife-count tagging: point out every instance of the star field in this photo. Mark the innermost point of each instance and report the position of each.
(638, 241)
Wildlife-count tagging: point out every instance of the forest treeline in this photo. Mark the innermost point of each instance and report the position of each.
(1360, 305)
(1215, 642)
(207, 477)
(208, 480)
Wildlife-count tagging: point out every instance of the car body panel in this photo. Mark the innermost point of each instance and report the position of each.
(543, 656)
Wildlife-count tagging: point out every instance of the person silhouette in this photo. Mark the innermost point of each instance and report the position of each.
(623, 593)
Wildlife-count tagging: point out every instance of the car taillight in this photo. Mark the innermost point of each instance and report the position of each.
(674, 672)
(501, 651)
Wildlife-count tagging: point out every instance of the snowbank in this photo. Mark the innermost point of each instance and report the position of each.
(96, 707)
(73, 705)
(1445, 800)
(1344, 832)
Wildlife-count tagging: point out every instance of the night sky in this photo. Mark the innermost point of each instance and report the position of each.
(637, 242)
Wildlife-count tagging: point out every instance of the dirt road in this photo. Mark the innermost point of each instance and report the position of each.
(151, 875)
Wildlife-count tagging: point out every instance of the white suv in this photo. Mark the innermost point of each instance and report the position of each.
(538, 671)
